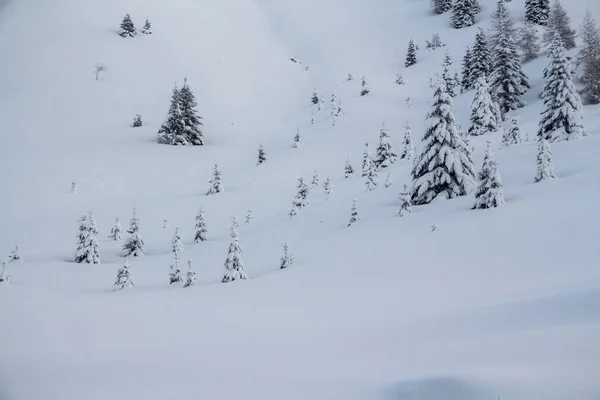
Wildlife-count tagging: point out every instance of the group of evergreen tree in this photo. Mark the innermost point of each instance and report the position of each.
(588, 60)
(537, 11)
(127, 28)
(464, 12)
(183, 124)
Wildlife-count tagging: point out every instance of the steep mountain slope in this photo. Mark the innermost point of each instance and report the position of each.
(498, 302)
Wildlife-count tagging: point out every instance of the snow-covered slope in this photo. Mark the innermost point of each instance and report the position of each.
(501, 302)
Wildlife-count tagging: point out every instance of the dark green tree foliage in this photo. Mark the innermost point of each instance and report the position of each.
(463, 14)
(537, 11)
(465, 82)
(481, 59)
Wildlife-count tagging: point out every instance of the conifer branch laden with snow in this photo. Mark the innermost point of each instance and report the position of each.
(134, 245)
(190, 277)
(489, 193)
(234, 267)
(287, 259)
(215, 185)
(200, 227)
(124, 280)
(116, 231)
(354, 217)
(545, 164)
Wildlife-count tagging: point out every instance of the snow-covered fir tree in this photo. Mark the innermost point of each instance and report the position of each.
(354, 217)
(88, 249)
(175, 271)
(215, 185)
(348, 169)
(4, 276)
(364, 87)
(116, 231)
(529, 43)
(124, 280)
(388, 181)
(287, 259)
(327, 186)
(399, 79)
(561, 118)
(545, 164)
(315, 178)
(405, 202)
(297, 140)
(483, 116)
(385, 155)
(508, 82)
(315, 97)
(366, 159)
(463, 14)
(176, 244)
(465, 82)
(93, 225)
(171, 131)
(127, 27)
(476, 6)
(200, 227)
(588, 59)
(537, 11)
(134, 245)
(147, 29)
(559, 21)
(489, 193)
(234, 267)
(434, 43)
(192, 122)
(15, 255)
(440, 6)
(190, 279)
(481, 59)
(301, 199)
(447, 76)
(137, 121)
(411, 55)
(262, 157)
(249, 216)
(371, 178)
(444, 166)
(512, 135)
(408, 150)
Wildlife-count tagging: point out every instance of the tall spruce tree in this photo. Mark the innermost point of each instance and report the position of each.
(411, 54)
(171, 131)
(545, 164)
(88, 249)
(192, 122)
(409, 151)
(124, 280)
(134, 245)
(215, 185)
(559, 21)
(200, 227)
(483, 116)
(481, 59)
(529, 43)
(588, 59)
(127, 27)
(537, 11)
(465, 81)
(463, 14)
(489, 193)
(234, 267)
(561, 118)
(444, 166)
(385, 155)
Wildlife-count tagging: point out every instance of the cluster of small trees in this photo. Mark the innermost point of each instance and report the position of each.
(127, 28)
(13, 257)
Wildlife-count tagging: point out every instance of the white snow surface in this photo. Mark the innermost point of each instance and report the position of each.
(501, 302)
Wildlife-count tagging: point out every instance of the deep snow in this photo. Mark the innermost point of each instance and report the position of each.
(502, 302)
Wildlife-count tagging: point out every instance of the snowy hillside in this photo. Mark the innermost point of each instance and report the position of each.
(446, 303)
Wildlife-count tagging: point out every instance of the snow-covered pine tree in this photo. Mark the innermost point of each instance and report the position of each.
(93, 225)
(385, 155)
(364, 87)
(176, 244)
(483, 116)
(489, 192)
(297, 140)
(287, 259)
(440, 6)
(4, 276)
(127, 27)
(234, 267)
(463, 14)
(171, 131)
(408, 151)
(537, 11)
(405, 202)
(447, 76)
(174, 270)
(399, 79)
(190, 119)
(588, 59)
(134, 245)
(561, 118)
(200, 227)
(147, 29)
(366, 160)
(513, 134)
(465, 82)
(215, 185)
(15, 255)
(348, 169)
(88, 249)
(559, 21)
(315, 97)
(137, 121)
(190, 277)
(411, 55)
(301, 199)
(481, 59)
(124, 280)
(116, 231)
(315, 178)
(354, 217)
(507, 81)
(388, 181)
(262, 157)
(529, 43)
(444, 166)
(371, 181)
(545, 165)
(249, 216)
(327, 187)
